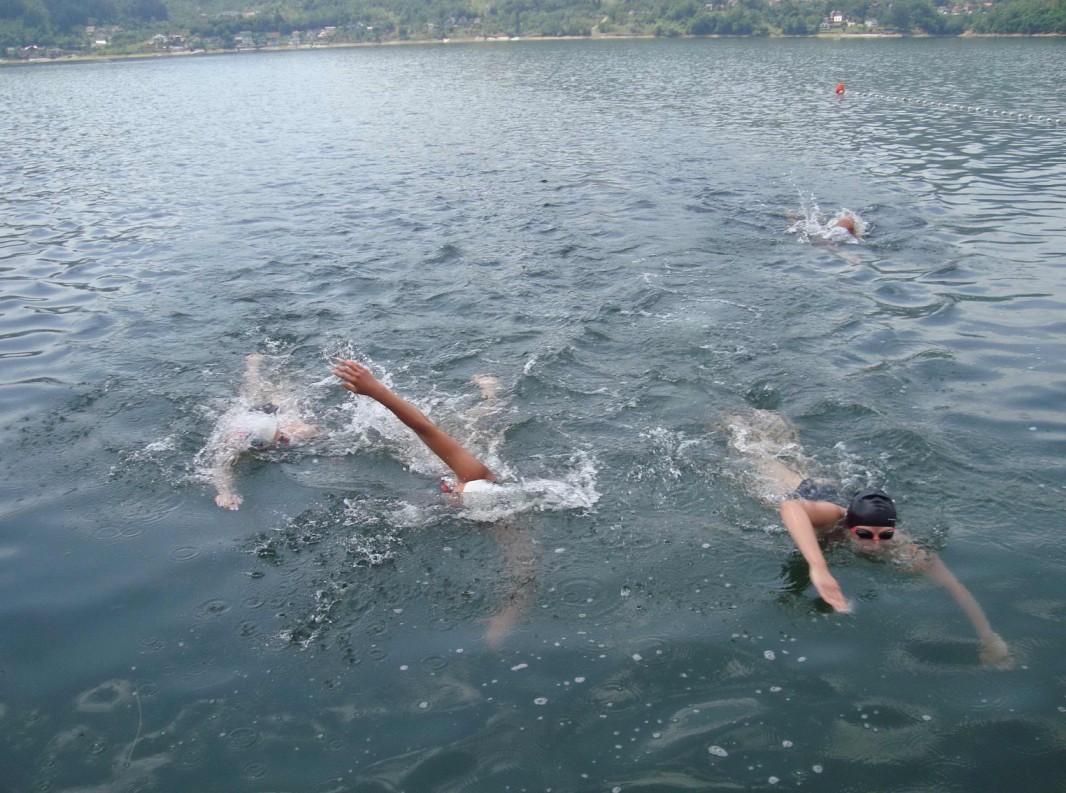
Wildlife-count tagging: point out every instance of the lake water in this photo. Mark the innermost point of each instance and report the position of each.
(604, 227)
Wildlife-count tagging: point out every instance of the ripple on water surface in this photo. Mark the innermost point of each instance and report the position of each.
(627, 289)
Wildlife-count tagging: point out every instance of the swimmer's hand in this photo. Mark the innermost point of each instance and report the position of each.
(231, 501)
(829, 589)
(995, 653)
(357, 378)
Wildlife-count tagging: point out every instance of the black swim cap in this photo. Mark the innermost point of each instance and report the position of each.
(871, 507)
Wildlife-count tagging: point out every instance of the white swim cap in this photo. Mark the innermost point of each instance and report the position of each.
(258, 429)
(479, 486)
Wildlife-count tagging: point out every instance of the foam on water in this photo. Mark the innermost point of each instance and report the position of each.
(373, 537)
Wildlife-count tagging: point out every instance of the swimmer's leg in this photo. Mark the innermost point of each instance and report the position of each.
(763, 438)
(256, 388)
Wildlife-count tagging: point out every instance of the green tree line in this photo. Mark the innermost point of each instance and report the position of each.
(62, 22)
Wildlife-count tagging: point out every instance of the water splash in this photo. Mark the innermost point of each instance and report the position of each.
(576, 489)
(372, 529)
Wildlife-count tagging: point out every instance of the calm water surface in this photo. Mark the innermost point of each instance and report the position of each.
(603, 226)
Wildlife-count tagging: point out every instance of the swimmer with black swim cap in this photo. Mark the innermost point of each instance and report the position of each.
(812, 516)
(870, 523)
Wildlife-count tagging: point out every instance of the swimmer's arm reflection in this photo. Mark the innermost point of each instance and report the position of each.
(994, 651)
(520, 560)
(804, 521)
(357, 378)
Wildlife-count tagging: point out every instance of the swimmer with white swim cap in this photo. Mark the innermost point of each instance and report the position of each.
(472, 476)
(263, 419)
(474, 481)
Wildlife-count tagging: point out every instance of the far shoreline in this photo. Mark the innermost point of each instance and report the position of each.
(146, 56)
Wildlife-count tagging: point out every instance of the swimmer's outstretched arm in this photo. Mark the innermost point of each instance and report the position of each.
(994, 651)
(357, 378)
(223, 478)
(801, 519)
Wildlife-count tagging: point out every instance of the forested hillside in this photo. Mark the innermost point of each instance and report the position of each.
(130, 25)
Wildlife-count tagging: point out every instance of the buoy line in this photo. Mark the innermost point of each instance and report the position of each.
(978, 109)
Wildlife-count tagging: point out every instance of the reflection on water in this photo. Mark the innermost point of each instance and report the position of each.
(603, 228)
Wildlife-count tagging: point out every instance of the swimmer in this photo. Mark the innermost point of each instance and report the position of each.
(472, 478)
(813, 516)
(810, 225)
(471, 475)
(263, 418)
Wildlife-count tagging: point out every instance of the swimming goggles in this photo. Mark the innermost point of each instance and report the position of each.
(867, 534)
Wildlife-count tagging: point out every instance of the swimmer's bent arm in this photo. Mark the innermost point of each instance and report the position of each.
(994, 651)
(357, 378)
(801, 519)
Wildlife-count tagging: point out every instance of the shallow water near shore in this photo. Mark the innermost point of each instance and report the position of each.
(604, 227)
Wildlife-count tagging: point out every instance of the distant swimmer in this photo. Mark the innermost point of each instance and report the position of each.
(812, 513)
(471, 475)
(846, 227)
(264, 417)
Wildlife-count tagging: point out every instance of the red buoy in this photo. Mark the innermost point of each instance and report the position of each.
(840, 89)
